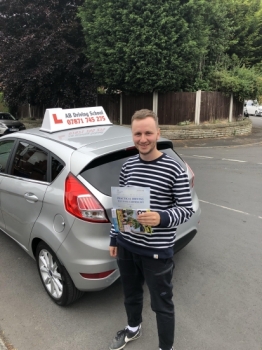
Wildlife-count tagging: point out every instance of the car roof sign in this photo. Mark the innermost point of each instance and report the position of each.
(56, 119)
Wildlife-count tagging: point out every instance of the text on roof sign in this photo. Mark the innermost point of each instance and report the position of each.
(57, 119)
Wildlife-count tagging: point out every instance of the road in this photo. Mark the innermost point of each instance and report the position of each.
(217, 280)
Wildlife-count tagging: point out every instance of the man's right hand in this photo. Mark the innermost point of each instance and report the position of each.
(113, 251)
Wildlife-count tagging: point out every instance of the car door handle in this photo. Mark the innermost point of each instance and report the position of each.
(30, 197)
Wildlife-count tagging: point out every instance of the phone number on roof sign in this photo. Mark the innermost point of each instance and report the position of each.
(99, 118)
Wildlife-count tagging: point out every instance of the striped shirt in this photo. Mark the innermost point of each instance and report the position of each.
(170, 196)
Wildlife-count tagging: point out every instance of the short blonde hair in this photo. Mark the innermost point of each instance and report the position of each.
(144, 113)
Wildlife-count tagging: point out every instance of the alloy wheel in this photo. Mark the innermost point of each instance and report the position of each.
(50, 274)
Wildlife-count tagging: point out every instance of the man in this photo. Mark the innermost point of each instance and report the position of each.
(149, 257)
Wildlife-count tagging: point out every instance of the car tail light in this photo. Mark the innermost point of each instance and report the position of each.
(192, 175)
(80, 202)
(98, 275)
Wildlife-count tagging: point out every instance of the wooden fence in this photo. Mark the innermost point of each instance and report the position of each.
(172, 107)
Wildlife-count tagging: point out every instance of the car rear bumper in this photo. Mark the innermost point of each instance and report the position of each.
(88, 284)
(86, 251)
(182, 242)
(187, 231)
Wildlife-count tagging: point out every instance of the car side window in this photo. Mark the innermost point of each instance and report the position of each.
(5, 150)
(30, 162)
(56, 168)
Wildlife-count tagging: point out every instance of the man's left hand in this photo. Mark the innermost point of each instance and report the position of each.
(149, 218)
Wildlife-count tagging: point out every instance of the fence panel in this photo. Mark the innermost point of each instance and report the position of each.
(132, 103)
(214, 105)
(111, 105)
(175, 107)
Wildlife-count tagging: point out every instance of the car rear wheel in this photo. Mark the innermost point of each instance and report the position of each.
(55, 277)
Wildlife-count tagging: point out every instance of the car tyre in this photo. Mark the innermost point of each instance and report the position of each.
(54, 276)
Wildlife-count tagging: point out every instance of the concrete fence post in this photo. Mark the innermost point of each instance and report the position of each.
(198, 107)
(121, 110)
(155, 102)
(29, 111)
(230, 118)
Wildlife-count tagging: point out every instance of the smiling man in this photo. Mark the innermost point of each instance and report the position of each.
(146, 257)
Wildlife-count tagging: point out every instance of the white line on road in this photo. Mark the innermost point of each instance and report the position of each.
(206, 157)
(237, 211)
(202, 156)
(235, 160)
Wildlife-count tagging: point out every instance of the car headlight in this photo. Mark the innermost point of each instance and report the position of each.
(2, 125)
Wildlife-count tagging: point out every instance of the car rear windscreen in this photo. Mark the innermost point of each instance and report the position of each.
(103, 172)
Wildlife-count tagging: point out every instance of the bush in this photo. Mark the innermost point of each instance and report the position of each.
(244, 83)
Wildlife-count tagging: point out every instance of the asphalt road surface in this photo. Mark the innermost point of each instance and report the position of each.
(217, 280)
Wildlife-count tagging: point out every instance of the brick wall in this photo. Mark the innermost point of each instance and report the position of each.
(176, 132)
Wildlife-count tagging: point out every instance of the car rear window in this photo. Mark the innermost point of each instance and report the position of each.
(30, 162)
(103, 172)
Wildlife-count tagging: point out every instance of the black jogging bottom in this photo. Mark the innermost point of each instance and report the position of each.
(134, 271)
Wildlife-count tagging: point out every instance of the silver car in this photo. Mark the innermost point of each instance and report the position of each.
(55, 202)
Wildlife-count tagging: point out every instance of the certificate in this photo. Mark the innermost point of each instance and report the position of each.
(131, 197)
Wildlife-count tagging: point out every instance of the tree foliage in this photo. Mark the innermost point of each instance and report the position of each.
(211, 34)
(137, 45)
(146, 45)
(41, 58)
(242, 82)
(49, 56)
(245, 15)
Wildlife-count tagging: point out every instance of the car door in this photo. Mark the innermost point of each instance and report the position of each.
(23, 191)
(6, 147)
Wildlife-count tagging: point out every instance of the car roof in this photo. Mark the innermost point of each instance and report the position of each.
(85, 129)
(86, 136)
(92, 138)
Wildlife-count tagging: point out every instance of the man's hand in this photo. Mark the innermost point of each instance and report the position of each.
(149, 218)
(113, 251)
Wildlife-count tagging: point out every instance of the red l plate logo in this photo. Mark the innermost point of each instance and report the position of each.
(56, 120)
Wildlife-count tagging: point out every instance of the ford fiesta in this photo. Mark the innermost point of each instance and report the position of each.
(55, 197)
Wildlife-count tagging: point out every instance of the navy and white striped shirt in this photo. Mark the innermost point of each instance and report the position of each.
(170, 196)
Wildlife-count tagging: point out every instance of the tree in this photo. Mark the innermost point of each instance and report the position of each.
(138, 45)
(41, 58)
(245, 16)
(211, 34)
(147, 45)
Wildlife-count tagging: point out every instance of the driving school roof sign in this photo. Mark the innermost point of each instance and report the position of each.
(57, 119)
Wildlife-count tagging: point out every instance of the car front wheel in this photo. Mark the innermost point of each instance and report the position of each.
(55, 277)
